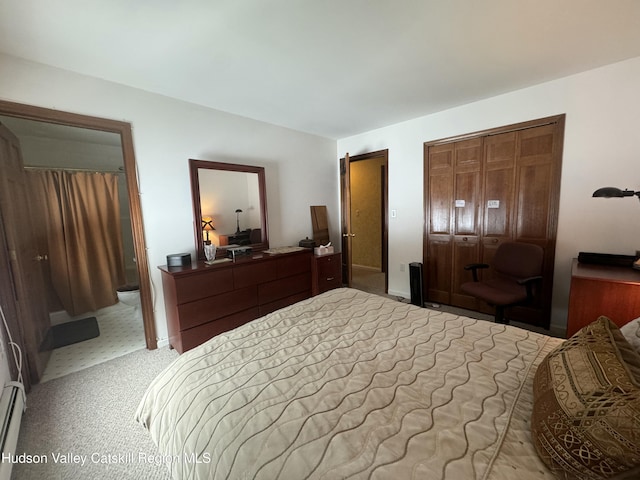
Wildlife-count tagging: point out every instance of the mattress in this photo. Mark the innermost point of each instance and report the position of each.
(351, 385)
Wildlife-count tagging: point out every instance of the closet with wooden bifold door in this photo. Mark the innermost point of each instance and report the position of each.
(484, 189)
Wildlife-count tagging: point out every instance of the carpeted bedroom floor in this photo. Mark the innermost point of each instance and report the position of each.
(90, 413)
(368, 280)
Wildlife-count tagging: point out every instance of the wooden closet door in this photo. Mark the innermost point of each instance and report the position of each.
(538, 154)
(537, 184)
(453, 200)
(466, 216)
(499, 192)
(498, 185)
(439, 212)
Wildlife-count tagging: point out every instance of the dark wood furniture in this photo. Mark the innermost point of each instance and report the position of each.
(326, 273)
(602, 290)
(202, 300)
(513, 275)
(238, 238)
(482, 190)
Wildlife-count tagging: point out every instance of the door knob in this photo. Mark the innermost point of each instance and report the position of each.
(40, 258)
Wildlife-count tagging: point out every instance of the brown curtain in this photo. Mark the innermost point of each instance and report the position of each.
(81, 211)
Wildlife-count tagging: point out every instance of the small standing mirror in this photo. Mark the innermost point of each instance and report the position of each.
(229, 206)
(320, 224)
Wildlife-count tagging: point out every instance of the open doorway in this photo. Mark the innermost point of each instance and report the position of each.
(109, 148)
(367, 221)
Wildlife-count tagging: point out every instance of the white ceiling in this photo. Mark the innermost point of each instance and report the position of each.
(329, 67)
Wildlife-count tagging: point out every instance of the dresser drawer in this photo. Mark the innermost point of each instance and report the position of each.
(202, 285)
(253, 274)
(329, 283)
(283, 302)
(211, 308)
(284, 287)
(195, 336)
(291, 265)
(328, 266)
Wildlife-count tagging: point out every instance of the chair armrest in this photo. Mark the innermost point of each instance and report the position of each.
(472, 266)
(524, 281)
(474, 269)
(528, 282)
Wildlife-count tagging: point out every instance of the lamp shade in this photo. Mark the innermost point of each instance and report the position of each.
(613, 192)
(207, 224)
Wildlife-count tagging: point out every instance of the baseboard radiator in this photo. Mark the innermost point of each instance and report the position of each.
(11, 408)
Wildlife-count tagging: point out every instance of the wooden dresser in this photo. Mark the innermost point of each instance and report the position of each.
(602, 290)
(327, 273)
(202, 300)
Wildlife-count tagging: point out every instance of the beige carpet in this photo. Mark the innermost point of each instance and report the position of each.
(367, 280)
(90, 414)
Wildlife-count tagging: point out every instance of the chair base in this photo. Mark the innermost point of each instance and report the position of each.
(499, 316)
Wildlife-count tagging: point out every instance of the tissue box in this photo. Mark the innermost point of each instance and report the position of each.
(323, 250)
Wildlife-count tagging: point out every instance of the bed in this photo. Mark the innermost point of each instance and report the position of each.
(353, 385)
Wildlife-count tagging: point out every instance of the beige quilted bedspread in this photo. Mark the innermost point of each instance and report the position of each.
(351, 385)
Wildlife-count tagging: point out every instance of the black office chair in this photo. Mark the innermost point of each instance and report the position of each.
(516, 268)
(255, 235)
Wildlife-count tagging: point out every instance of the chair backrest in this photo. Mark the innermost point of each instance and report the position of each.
(518, 260)
(255, 236)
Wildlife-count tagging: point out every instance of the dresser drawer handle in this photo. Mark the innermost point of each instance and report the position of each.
(329, 279)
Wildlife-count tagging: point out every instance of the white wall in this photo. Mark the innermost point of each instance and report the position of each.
(300, 169)
(601, 148)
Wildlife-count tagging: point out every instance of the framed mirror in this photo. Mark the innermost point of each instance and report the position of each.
(319, 224)
(229, 205)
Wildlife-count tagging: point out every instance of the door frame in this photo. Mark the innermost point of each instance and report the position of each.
(123, 129)
(345, 206)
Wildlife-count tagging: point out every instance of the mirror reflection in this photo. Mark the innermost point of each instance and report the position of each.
(229, 205)
(231, 200)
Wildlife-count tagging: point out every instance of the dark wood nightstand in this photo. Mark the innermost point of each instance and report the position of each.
(602, 290)
(326, 273)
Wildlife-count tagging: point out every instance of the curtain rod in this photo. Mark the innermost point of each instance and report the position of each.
(90, 170)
